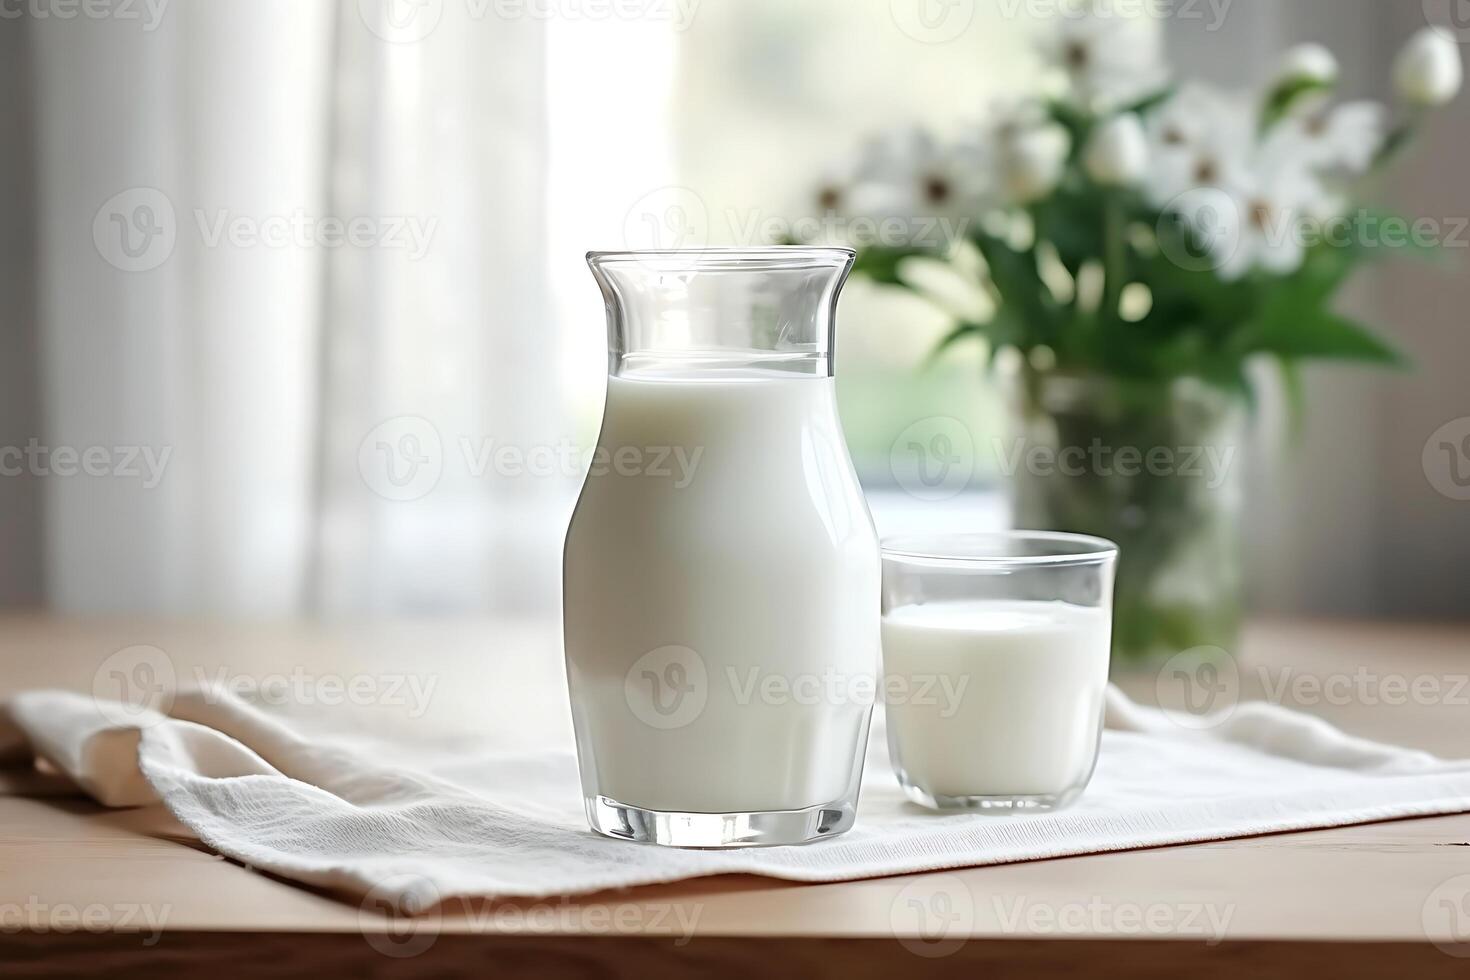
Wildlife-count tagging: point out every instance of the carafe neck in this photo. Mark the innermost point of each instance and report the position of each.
(721, 312)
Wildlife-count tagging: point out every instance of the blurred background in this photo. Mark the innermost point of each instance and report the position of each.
(296, 320)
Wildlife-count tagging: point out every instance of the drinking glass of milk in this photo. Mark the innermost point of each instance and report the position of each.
(721, 576)
(995, 656)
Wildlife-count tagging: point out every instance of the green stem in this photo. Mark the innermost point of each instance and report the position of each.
(1114, 257)
(1396, 141)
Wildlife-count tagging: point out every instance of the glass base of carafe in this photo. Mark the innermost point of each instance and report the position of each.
(764, 828)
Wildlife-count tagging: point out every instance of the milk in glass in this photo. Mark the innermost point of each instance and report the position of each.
(995, 697)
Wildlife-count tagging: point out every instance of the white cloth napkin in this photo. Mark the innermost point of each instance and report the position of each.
(329, 814)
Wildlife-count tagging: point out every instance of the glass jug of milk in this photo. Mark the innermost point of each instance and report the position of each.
(722, 578)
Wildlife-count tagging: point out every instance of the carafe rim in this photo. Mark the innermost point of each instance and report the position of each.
(772, 256)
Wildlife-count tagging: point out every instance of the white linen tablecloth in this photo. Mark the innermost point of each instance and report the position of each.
(330, 813)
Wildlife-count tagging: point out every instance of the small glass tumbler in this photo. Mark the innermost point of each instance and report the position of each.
(995, 656)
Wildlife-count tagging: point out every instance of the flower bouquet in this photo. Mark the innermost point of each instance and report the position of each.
(1137, 243)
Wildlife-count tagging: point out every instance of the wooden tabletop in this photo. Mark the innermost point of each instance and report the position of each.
(84, 889)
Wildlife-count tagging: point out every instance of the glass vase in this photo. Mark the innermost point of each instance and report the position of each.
(1154, 467)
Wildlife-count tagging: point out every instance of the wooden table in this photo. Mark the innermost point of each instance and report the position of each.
(85, 890)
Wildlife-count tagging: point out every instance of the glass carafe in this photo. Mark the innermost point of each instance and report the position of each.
(722, 575)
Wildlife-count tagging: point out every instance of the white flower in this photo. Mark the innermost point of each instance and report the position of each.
(1428, 71)
(1109, 57)
(1024, 151)
(831, 192)
(1201, 137)
(1311, 63)
(1344, 139)
(1032, 163)
(1258, 221)
(822, 208)
(910, 176)
(1117, 153)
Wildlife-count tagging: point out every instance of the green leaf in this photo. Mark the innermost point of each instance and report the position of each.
(1072, 220)
(1074, 120)
(1152, 101)
(1395, 143)
(959, 333)
(1023, 295)
(1285, 95)
(1319, 333)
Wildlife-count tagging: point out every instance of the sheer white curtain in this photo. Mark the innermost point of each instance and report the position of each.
(276, 238)
(438, 355)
